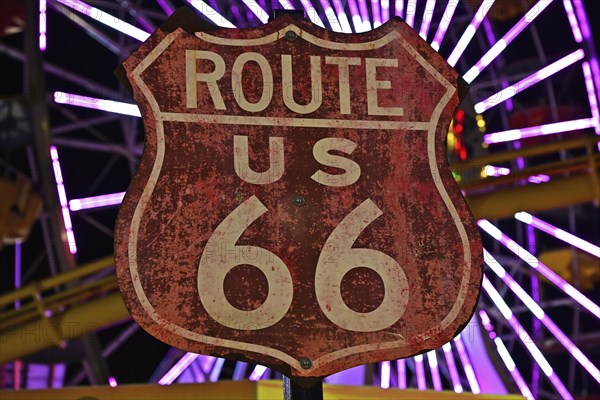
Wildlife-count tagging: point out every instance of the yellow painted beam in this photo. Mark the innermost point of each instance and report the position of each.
(241, 390)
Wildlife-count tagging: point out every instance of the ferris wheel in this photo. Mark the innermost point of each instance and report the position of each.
(523, 147)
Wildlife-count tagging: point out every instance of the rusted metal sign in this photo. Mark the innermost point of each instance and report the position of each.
(293, 205)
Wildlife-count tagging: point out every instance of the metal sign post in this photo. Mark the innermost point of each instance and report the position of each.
(293, 206)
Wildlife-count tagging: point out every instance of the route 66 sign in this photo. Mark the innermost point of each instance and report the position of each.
(293, 206)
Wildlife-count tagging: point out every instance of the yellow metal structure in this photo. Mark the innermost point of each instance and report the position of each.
(241, 390)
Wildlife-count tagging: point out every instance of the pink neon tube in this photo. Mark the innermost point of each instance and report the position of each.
(211, 13)
(525, 339)
(96, 201)
(468, 367)
(531, 80)
(505, 356)
(427, 16)
(62, 198)
(435, 371)
(411, 11)
(97, 104)
(497, 48)
(543, 269)
(468, 34)
(558, 233)
(401, 365)
(385, 374)
(444, 23)
(454, 377)
(376, 13)
(399, 8)
(42, 34)
(541, 130)
(537, 311)
(178, 369)
(420, 368)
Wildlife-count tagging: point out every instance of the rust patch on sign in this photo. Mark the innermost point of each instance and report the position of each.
(294, 200)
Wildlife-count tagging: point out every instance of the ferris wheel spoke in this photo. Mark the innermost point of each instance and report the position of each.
(544, 73)
(540, 130)
(499, 47)
(426, 21)
(312, 13)
(469, 33)
(211, 13)
(399, 8)
(444, 24)
(411, 11)
(166, 6)
(257, 10)
(341, 16)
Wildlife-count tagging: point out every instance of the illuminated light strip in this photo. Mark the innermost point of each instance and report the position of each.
(573, 21)
(257, 10)
(537, 179)
(341, 15)
(331, 16)
(112, 382)
(96, 201)
(525, 339)
(62, 198)
(211, 13)
(385, 11)
(376, 13)
(286, 4)
(399, 8)
(537, 311)
(106, 19)
(491, 170)
(97, 104)
(401, 365)
(548, 129)
(536, 264)
(558, 233)
(454, 377)
(501, 44)
(421, 380)
(587, 35)
(165, 6)
(435, 371)
(427, 16)
(468, 34)
(364, 14)
(489, 33)
(506, 357)
(529, 81)
(313, 15)
(591, 92)
(468, 367)
(178, 369)
(257, 373)
(444, 23)
(216, 369)
(357, 20)
(411, 10)
(43, 25)
(385, 374)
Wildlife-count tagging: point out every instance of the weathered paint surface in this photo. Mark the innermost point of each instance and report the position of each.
(376, 257)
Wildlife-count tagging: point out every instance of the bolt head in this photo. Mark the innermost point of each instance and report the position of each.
(299, 201)
(291, 36)
(305, 363)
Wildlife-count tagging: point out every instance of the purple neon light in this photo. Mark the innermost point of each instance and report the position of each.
(489, 33)
(178, 368)
(558, 233)
(364, 14)
(211, 13)
(376, 13)
(505, 356)
(331, 16)
(112, 382)
(96, 201)
(501, 44)
(62, 198)
(106, 19)
(385, 11)
(165, 6)
(386, 368)
(399, 8)
(427, 16)
(42, 33)
(420, 368)
(341, 15)
(435, 371)
(548, 129)
(313, 15)
(286, 4)
(537, 179)
(444, 23)
(537, 311)
(258, 372)
(573, 21)
(536, 264)
(491, 170)
(525, 338)
(97, 104)
(529, 81)
(454, 377)
(257, 10)
(591, 92)
(468, 367)
(357, 21)
(468, 34)
(411, 11)
(401, 365)
(216, 369)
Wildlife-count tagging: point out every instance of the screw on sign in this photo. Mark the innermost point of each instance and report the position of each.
(293, 206)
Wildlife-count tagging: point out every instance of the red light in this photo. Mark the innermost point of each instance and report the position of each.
(458, 129)
(460, 115)
(463, 154)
